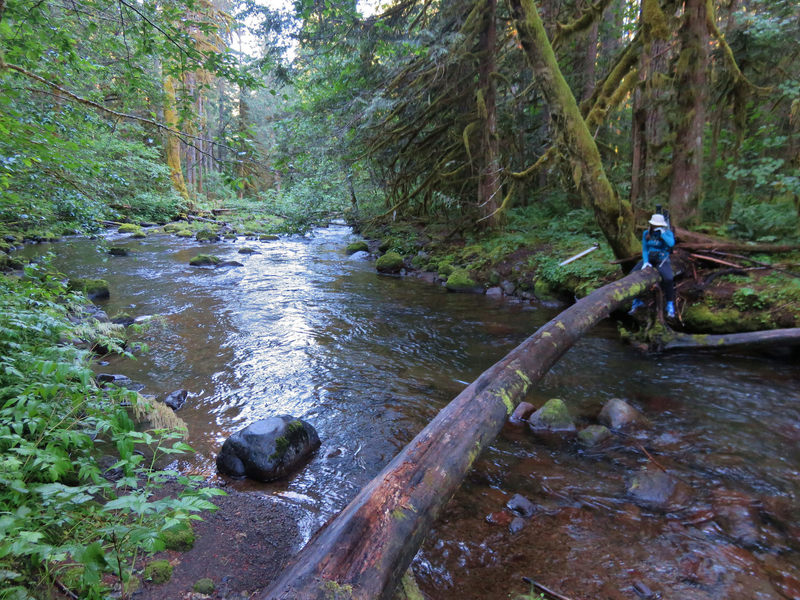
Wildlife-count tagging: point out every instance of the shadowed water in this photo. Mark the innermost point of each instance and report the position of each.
(302, 329)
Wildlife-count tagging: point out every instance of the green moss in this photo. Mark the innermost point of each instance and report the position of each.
(543, 290)
(553, 415)
(93, 288)
(700, 317)
(158, 571)
(391, 262)
(129, 228)
(204, 260)
(139, 235)
(184, 233)
(593, 435)
(172, 227)
(206, 235)
(118, 251)
(268, 237)
(445, 269)
(408, 589)
(385, 245)
(179, 538)
(460, 281)
(204, 586)
(336, 591)
(295, 427)
(360, 246)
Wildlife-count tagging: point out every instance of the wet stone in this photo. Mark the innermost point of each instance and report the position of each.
(553, 417)
(517, 524)
(521, 506)
(268, 449)
(618, 414)
(494, 292)
(658, 490)
(522, 412)
(736, 514)
(594, 435)
(176, 399)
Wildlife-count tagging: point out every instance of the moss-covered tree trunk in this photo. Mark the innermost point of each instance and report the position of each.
(613, 214)
(363, 553)
(650, 159)
(172, 141)
(489, 177)
(690, 115)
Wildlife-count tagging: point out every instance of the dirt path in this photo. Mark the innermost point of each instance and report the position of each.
(241, 547)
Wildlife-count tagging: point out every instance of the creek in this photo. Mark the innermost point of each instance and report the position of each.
(302, 329)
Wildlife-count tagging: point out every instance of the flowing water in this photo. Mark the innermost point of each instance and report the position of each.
(302, 329)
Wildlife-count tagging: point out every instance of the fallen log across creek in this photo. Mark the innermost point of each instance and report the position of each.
(363, 552)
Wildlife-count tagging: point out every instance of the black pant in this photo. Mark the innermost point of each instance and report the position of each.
(667, 279)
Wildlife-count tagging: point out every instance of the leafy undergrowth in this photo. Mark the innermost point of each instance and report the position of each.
(63, 522)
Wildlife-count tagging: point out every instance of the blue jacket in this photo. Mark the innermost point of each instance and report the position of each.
(656, 248)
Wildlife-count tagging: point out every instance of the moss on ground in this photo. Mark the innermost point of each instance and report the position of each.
(179, 538)
(158, 571)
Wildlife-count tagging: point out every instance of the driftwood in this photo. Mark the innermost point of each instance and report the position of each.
(364, 551)
(733, 341)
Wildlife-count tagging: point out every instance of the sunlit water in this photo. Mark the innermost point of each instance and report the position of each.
(302, 329)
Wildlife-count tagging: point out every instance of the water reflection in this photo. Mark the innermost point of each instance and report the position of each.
(369, 360)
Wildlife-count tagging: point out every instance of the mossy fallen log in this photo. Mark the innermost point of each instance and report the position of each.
(364, 551)
(733, 341)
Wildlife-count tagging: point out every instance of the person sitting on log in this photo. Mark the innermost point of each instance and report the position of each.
(657, 244)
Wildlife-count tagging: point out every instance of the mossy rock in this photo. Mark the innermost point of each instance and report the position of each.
(139, 235)
(445, 269)
(184, 233)
(248, 250)
(158, 571)
(95, 289)
(391, 262)
(593, 435)
(172, 227)
(229, 236)
(268, 237)
(205, 260)
(129, 228)
(553, 416)
(206, 235)
(460, 281)
(360, 246)
(204, 586)
(118, 251)
(180, 537)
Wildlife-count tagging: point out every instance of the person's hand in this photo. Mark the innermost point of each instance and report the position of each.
(647, 265)
(656, 233)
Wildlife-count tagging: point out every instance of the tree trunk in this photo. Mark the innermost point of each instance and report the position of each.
(364, 551)
(691, 92)
(489, 177)
(613, 214)
(173, 142)
(734, 341)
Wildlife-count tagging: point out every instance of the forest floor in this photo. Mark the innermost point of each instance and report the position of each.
(241, 548)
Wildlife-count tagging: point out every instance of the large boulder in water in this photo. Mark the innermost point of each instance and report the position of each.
(268, 449)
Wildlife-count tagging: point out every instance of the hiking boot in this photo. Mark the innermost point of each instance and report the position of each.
(670, 310)
(637, 304)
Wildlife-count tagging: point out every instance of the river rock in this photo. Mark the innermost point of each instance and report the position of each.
(360, 246)
(204, 260)
(657, 490)
(175, 400)
(95, 289)
(360, 255)
(522, 412)
(248, 250)
(229, 263)
(206, 235)
(495, 292)
(390, 263)
(618, 414)
(118, 251)
(508, 287)
(553, 416)
(593, 435)
(520, 505)
(122, 381)
(268, 449)
(517, 524)
(737, 515)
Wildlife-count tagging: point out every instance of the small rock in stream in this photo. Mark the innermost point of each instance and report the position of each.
(517, 525)
(737, 515)
(522, 412)
(657, 490)
(521, 506)
(618, 414)
(176, 399)
(593, 435)
(501, 517)
(553, 417)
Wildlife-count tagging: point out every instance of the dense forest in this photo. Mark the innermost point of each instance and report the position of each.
(482, 139)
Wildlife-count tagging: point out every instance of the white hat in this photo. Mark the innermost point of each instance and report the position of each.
(658, 220)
